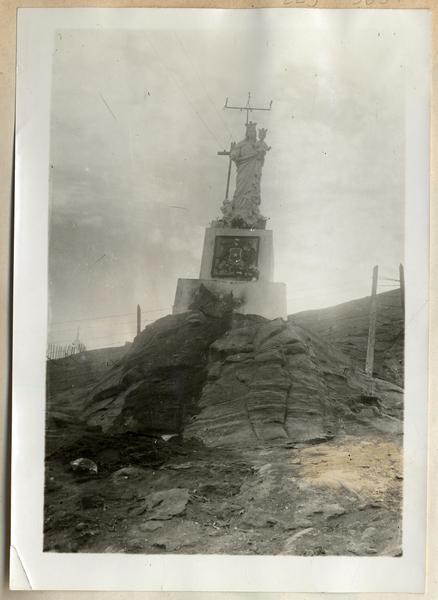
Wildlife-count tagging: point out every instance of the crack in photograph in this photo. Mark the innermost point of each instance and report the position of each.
(225, 352)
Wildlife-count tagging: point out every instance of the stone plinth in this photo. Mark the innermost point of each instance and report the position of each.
(254, 246)
(264, 298)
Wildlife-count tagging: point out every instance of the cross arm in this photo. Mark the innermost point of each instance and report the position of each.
(247, 107)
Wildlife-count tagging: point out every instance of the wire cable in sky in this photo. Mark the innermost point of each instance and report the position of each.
(175, 79)
(133, 313)
(203, 86)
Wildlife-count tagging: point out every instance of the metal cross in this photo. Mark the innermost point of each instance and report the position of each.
(248, 107)
(227, 153)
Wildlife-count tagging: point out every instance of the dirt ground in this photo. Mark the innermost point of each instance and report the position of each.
(338, 497)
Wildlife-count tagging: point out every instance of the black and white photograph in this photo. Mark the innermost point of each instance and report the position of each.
(231, 270)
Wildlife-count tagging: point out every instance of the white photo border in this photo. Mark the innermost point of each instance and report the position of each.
(31, 568)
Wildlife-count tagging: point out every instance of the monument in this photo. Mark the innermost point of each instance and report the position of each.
(238, 254)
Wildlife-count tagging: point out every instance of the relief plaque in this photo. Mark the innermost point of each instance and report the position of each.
(236, 257)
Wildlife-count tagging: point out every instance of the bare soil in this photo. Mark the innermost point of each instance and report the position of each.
(340, 497)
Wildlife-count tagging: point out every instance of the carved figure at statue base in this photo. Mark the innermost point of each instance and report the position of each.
(243, 210)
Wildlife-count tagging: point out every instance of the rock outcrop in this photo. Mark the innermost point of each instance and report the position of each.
(155, 387)
(237, 380)
(275, 381)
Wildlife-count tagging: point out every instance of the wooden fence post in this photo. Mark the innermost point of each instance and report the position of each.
(402, 287)
(369, 365)
(138, 319)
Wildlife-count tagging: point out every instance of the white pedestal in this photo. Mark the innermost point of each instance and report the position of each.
(264, 298)
(240, 261)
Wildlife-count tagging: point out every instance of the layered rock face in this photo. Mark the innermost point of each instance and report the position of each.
(274, 381)
(238, 380)
(156, 385)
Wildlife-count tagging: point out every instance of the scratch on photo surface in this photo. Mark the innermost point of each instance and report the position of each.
(96, 261)
(108, 106)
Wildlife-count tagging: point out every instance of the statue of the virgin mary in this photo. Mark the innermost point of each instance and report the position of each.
(248, 155)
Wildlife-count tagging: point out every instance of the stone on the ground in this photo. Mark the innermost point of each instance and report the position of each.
(290, 545)
(259, 518)
(128, 473)
(84, 465)
(183, 534)
(166, 504)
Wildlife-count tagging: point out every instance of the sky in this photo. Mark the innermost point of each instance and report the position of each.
(137, 119)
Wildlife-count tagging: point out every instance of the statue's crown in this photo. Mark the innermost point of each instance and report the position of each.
(250, 127)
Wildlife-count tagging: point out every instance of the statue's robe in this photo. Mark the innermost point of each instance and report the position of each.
(249, 158)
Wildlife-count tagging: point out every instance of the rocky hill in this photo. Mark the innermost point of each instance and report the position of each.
(69, 382)
(248, 379)
(279, 445)
(346, 326)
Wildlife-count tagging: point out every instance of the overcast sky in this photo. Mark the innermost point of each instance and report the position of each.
(137, 120)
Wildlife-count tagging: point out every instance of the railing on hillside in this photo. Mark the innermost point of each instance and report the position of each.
(55, 351)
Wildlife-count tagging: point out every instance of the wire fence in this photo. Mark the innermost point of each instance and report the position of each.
(115, 330)
(92, 333)
(55, 351)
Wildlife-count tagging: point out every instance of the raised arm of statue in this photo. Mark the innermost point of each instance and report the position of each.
(261, 142)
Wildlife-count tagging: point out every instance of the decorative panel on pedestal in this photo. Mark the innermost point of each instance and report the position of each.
(237, 254)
